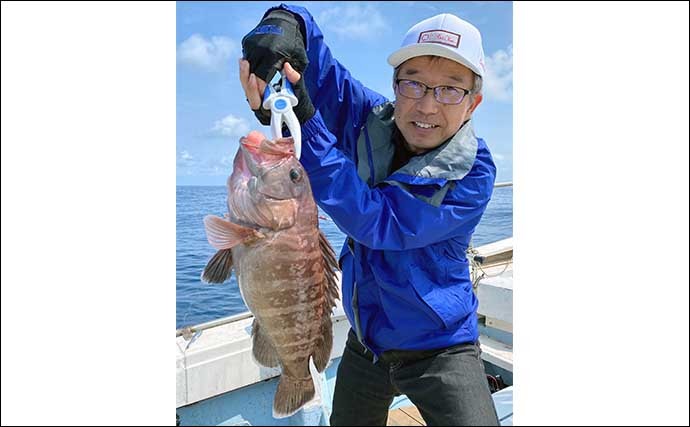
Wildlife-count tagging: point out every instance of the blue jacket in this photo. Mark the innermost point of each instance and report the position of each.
(405, 281)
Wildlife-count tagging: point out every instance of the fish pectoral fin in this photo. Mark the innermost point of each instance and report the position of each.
(219, 268)
(262, 348)
(223, 234)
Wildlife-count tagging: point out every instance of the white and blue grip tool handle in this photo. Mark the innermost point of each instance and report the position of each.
(280, 104)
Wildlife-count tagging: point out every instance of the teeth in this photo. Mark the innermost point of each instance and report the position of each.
(424, 125)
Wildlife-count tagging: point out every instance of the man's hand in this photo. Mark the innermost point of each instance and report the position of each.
(254, 90)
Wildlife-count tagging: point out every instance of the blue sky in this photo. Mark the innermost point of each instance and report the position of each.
(212, 113)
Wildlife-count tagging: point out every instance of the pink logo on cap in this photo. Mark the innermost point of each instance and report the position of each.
(440, 37)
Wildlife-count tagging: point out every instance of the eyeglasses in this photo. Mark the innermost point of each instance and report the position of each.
(443, 94)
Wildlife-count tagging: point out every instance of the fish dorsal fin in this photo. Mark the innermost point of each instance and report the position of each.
(223, 234)
(331, 268)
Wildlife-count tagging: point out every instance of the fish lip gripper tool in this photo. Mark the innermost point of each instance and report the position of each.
(279, 99)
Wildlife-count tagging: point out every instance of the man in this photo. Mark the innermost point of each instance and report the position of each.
(408, 182)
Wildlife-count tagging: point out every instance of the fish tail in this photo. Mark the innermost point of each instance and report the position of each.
(219, 268)
(291, 395)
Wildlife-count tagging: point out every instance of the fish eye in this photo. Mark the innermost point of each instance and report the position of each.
(295, 175)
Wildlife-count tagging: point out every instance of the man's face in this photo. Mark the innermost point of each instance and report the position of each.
(413, 116)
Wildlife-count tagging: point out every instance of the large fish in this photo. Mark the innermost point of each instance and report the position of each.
(284, 265)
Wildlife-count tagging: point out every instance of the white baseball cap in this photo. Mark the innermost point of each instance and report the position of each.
(443, 35)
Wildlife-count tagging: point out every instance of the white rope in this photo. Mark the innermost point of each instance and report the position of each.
(476, 266)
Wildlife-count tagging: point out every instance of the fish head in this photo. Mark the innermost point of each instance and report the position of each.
(268, 183)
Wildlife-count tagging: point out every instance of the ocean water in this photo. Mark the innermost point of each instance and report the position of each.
(199, 302)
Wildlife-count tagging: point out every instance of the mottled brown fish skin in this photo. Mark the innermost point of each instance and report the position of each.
(281, 279)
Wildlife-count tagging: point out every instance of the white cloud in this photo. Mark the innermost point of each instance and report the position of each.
(231, 126)
(185, 162)
(498, 80)
(208, 55)
(498, 156)
(353, 21)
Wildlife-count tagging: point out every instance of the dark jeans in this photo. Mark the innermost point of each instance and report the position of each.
(448, 386)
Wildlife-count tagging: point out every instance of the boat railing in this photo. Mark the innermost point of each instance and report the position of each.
(189, 331)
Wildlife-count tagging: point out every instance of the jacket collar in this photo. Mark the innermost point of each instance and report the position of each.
(452, 160)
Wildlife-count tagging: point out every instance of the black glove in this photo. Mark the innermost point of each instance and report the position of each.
(278, 39)
(304, 110)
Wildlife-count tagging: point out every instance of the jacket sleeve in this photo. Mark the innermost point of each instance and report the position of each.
(343, 101)
(388, 218)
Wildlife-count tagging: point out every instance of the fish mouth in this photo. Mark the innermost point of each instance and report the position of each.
(262, 155)
(256, 143)
(273, 198)
(251, 149)
(251, 144)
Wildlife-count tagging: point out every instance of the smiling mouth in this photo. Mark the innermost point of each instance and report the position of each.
(422, 125)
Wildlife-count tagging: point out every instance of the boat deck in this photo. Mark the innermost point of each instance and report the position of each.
(407, 416)
(210, 393)
(404, 413)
